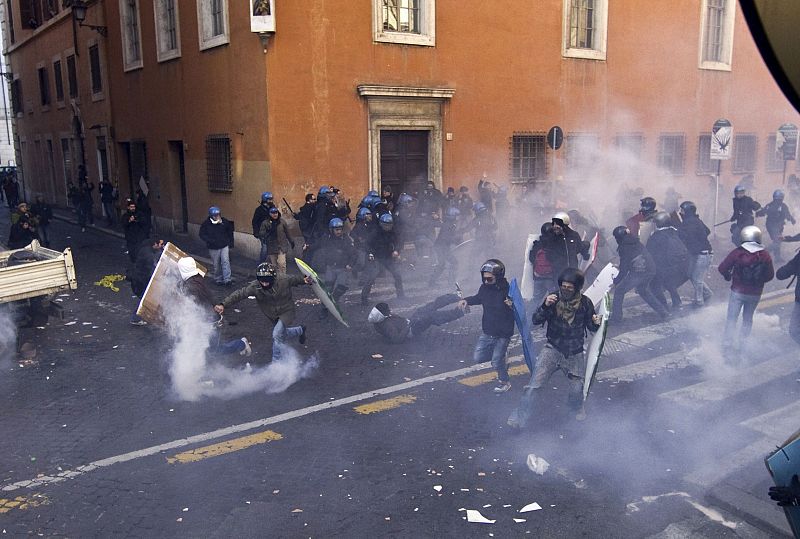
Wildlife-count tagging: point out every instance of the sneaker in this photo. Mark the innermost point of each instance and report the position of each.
(302, 338)
(581, 414)
(246, 351)
(139, 322)
(502, 387)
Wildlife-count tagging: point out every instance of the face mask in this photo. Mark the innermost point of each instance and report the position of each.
(216, 219)
(566, 293)
(375, 316)
(266, 283)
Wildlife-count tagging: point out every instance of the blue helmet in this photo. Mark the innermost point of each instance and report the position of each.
(778, 194)
(452, 213)
(373, 193)
(479, 208)
(387, 219)
(366, 202)
(214, 210)
(335, 223)
(266, 196)
(404, 199)
(362, 214)
(373, 202)
(324, 192)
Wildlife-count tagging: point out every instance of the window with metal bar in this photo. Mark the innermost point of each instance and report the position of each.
(745, 147)
(582, 24)
(217, 18)
(715, 27)
(774, 158)
(59, 80)
(72, 76)
(671, 153)
(94, 64)
(528, 157)
(705, 165)
(44, 86)
(170, 28)
(132, 38)
(401, 16)
(218, 163)
(630, 144)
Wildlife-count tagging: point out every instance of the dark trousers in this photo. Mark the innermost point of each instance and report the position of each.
(641, 283)
(429, 314)
(372, 271)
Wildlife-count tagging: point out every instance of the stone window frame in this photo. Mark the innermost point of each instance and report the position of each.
(599, 48)
(727, 37)
(159, 14)
(130, 62)
(427, 33)
(204, 22)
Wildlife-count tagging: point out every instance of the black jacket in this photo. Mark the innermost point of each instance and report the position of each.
(743, 210)
(335, 253)
(566, 250)
(669, 253)
(136, 230)
(633, 257)
(791, 269)
(43, 212)
(143, 267)
(217, 236)
(498, 318)
(259, 215)
(20, 237)
(565, 337)
(383, 244)
(395, 329)
(777, 214)
(694, 234)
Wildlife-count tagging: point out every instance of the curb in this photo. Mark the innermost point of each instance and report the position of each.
(760, 513)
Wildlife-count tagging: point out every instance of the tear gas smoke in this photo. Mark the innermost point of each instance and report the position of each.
(195, 373)
(8, 339)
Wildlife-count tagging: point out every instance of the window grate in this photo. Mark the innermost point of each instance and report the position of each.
(582, 24)
(171, 26)
(630, 144)
(705, 165)
(94, 64)
(218, 163)
(401, 16)
(671, 153)
(715, 18)
(744, 153)
(217, 15)
(72, 76)
(774, 158)
(132, 31)
(528, 157)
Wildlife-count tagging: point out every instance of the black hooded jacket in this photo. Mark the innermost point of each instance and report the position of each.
(633, 258)
(498, 318)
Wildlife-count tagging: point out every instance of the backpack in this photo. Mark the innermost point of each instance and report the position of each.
(754, 274)
(541, 265)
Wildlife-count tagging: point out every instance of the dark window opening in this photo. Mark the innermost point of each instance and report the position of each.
(218, 163)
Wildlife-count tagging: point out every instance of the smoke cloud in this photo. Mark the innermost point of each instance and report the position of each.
(196, 372)
(8, 339)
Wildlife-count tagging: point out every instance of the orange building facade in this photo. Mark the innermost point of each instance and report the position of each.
(396, 92)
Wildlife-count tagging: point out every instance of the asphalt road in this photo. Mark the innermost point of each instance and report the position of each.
(385, 440)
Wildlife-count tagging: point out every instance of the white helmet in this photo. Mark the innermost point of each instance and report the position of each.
(751, 233)
(561, 216)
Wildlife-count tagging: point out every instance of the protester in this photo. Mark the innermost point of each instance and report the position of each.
(397, 329)
(135, 230)
(21, 234)
(43, 213)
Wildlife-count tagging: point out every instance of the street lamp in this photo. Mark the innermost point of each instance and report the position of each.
(79, 15)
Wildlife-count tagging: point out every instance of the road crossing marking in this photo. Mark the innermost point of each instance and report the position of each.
(782, 300)
(647, 368)
(480, 379)
(22, 503)
(383, 405)
(699, 395)
(777, 424)
(223, 448)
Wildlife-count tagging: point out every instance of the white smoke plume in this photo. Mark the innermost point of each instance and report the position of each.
(196, 373)
(8, 339)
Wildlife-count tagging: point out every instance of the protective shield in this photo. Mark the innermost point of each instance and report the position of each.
(784, 464)
(601, 285)
(596, 345)
(523, 324)
(161, 286)
(584, 265)
(321, 292)
(526, 285)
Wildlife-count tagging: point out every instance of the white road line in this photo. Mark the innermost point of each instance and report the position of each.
(778, 424)
(235, 429)
(699, 395)
(645, 369)
(731, 464)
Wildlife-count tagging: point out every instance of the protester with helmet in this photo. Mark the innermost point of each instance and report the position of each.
(335, 258)
(464, 202)
(569, 315)
(636, 270)
(497, 323)
(694, 233)
(748, 267)
(485, 228)
(541, 259)
(397, 329)
(273, 293)
(217, 232)
(777, 213)
(567, 244)
(384, 252)
(671, 259)
(261, 214)
(450, 234)
(193, 287)
(744, 209)
(647, 210)
(274, 232)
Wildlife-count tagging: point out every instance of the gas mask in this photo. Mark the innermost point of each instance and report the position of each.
(266, 282)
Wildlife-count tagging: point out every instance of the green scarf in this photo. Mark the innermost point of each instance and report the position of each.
(566, 309)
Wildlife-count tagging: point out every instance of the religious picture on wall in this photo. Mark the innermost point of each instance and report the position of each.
(262, 16)
(261, 8)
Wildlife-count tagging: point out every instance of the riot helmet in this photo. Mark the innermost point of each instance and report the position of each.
(739, 189)
(647, 205)
(373, 193)
(387, 221)
(265, 274)
(479, 208)
(266, 196)
(213, 210)
(750, 233)
(362, 214)
(547, 229)
(561, 218)
(777, 195)
(451, 213)
(662, 219)
(688, 208)
(620, 232)
(494, 267)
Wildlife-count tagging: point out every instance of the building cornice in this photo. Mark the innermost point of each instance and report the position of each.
(379, 90)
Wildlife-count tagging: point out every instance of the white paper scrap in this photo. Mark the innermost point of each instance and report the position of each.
(518, 520)
(537, 464)
(531, 507)
(437, 488)
(476, 516)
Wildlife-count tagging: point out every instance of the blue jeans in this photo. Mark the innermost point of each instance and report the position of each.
(229, 347)
(494, 349)
(698, 268)
(222, 265)
(280, 333)
(262, 255)
(747, 305)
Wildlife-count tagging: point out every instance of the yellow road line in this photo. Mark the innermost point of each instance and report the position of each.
(781, 300)
(22, 502)
(489, 377)
(387, 404)
(225, 447)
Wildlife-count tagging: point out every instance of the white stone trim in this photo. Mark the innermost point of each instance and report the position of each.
(159, 14)
(204, 22)
(377, 90)
(727, 37)
(426, 37)
(601, 41)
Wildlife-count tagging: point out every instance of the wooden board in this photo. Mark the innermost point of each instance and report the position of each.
(162, 282)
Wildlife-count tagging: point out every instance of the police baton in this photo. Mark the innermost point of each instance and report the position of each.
(723, 222)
